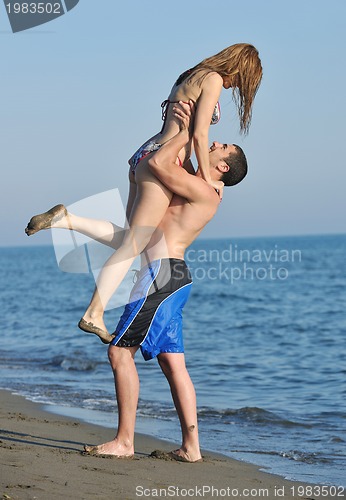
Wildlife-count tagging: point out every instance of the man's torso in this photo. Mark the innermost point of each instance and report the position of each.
(181, 225)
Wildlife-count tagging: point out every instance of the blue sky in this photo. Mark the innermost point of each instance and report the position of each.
(81, 93)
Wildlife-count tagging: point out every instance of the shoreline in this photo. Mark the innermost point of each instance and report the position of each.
(41, 458)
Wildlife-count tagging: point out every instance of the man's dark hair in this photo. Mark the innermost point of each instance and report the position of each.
(237, 167)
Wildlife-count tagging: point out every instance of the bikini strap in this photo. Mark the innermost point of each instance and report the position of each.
(164, 106)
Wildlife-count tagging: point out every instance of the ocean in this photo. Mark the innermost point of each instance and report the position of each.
(264, 333)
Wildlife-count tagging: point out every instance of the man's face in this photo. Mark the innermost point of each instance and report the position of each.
(218, 151)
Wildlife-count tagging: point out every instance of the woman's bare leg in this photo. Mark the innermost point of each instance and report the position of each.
(184, 397)
(150, 205)
(127, 390)
(104, 232)
(59, 218)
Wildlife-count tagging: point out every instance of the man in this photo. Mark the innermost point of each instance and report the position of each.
(152, 319)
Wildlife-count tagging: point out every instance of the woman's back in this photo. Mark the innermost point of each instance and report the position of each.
(190, 88)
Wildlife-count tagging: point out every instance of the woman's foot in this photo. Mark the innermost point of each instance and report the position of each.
(52, 218)
(90, 327)
(112, 448)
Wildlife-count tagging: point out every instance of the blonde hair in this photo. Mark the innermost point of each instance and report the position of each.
(241, 61)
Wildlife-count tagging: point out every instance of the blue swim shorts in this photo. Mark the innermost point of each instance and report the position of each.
(153, 317)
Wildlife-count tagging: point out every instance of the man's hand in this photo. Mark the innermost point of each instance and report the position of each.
(185, 114)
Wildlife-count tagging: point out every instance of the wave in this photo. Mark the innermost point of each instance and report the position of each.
(254, 415)
(306, 457)
(295, 455)
(70, 363)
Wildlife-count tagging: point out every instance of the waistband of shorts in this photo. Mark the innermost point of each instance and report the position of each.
(171, 260)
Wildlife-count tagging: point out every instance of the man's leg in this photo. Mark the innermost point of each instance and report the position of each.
(127, 391)
(184, 397)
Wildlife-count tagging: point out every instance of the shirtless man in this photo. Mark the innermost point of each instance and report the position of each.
(152, 320)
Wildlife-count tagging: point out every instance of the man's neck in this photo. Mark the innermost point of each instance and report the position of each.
(212, 176)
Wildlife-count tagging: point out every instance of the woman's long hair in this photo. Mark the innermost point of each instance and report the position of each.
(243, 63)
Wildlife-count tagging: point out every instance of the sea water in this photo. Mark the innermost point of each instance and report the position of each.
(264, 333)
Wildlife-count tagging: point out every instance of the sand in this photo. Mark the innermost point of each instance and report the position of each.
(41, 458)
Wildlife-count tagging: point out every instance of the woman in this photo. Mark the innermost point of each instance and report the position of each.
(237, 67)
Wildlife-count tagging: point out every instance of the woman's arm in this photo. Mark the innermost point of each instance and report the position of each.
(163, 163)
(211, 90)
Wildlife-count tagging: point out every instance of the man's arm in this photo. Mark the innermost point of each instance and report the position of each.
(163, 166)
(131, 198)
(188, 166)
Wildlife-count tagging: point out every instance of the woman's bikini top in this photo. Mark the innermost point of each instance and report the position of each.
(214, 119)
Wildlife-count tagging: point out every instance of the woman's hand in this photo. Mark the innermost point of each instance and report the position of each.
(218, 186)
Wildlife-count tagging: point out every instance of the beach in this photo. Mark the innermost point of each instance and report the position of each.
(41, 457)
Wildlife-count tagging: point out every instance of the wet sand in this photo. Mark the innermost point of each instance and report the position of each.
(41, 458)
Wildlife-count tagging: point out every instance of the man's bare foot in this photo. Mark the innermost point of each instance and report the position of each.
(112, 448)
(178, 455)
(184, 456)
(90, 327)
(52, 218)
